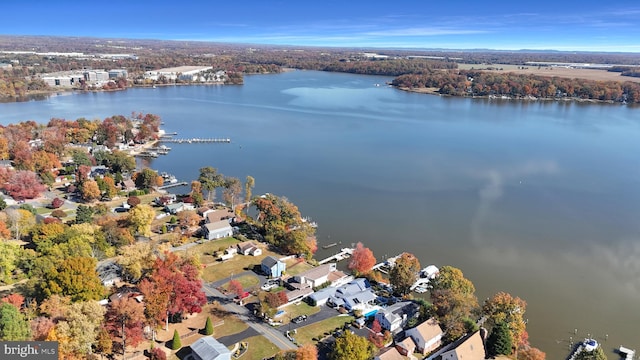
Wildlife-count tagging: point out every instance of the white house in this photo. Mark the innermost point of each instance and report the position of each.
(394, 317)
(217, 230)
(208, 348)
(356, 295)
(427, 336)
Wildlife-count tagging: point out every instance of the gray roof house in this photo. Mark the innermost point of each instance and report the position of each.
(394, 317)
(217, 230)
(208, 348)
(355, 295)
(272, 266)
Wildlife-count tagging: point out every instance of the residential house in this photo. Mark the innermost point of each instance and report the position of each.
(427, 336)
(389, 354)
(213, 215)
(394, 317)
(249, 248)
(272, 266)
(321, 297)
(406, 346)
(355, 295)
(128, 185)
(217, 230)
(178, 207)
(208, 348)
(470, 347)
(320, 275)
(109, 273)
(165, 199)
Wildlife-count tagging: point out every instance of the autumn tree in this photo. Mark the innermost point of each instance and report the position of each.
(133, 201)
(531, 353)
(79, 329)
(404, 273)
(362, 260)
(13, 325)
(236, 288)
(249, 184)
(10, 254)
(128, 314)
(505, 309)
(40, 327)
(231, 191)
(75, 277)
(307, 352)
(20, 221)
(140, 218)
(89, 190)
(188, 218)
(145, 179)
(24, 184)
(375, 335)
(135, 260)
(110, 190)
(453, 301)
(353, 347)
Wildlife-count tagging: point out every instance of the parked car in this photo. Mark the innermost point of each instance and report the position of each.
(270, 284)
(299, 319)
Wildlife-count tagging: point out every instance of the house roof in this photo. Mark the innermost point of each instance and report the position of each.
(217, 215)
(390, 354)
(270, 261)
(318, 271)
(469, 348)
(209, 348)
(323, 294)
(218, 225)
(428, 329)
(244, 246)
(407, 344)
(174, 206)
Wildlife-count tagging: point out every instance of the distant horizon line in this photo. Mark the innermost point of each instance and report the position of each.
(372, 47)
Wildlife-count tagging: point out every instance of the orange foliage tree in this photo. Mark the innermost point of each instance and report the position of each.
(362, 260)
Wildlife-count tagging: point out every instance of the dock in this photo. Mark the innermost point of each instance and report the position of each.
(343, 254)
(168, 186)
(627, 354)
(196, 140)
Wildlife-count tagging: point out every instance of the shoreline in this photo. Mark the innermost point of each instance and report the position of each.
(435, 91)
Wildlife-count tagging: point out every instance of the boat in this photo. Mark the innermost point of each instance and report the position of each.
(420, 289)
(329, 245)
(587, 345)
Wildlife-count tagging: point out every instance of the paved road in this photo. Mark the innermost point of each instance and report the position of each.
(273, 335)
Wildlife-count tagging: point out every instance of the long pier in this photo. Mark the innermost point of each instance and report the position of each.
(196, 140)
(168, 186)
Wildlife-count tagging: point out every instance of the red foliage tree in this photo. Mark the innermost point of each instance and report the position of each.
(24, 185)
(133, 201)
(130, 313)
(375, 336)
(236, 288)
(362, 260)
(157, 354)
(40, 327)
(14, 299)
(56, 203)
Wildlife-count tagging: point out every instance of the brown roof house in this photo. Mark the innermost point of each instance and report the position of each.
(389, 354)
(427, 336)
(249, 248)
(470, 347)
(406, 346)
(217, 230)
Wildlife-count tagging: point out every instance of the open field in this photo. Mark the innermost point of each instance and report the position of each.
(588, 74)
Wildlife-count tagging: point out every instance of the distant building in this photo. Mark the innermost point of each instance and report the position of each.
(208, 348)
(186, 73)
(117, 73)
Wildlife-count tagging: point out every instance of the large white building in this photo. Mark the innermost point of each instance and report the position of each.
(186, 73)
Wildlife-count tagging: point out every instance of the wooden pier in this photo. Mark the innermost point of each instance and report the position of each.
(196, 140)
(343, 254)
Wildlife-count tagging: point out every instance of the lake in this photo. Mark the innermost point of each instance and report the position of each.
(538, 199)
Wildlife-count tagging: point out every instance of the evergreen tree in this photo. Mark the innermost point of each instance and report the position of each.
(13, 325)
(499, 342)
(176, 344)
(208, 327)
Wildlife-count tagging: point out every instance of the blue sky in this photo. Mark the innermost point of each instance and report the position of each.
(506, 25)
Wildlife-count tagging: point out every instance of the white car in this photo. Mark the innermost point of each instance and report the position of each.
(269, 285)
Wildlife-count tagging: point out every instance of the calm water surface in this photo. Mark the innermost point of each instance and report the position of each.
(539, 199)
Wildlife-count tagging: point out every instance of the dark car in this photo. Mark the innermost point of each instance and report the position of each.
(299, 319)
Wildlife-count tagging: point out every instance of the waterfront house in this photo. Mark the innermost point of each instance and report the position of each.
(178, 207)
(213, 215)
(321, 297)
(470, 347)
(355, 295)
(394, 317)
(208, 348)
(272, 266)
(217, 230)
(427, 336)
(319, 275)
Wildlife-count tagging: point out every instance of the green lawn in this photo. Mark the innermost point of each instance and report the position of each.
(248, 282)
(294, 267)
(301, 308)
(259, 348)
(307, 333)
